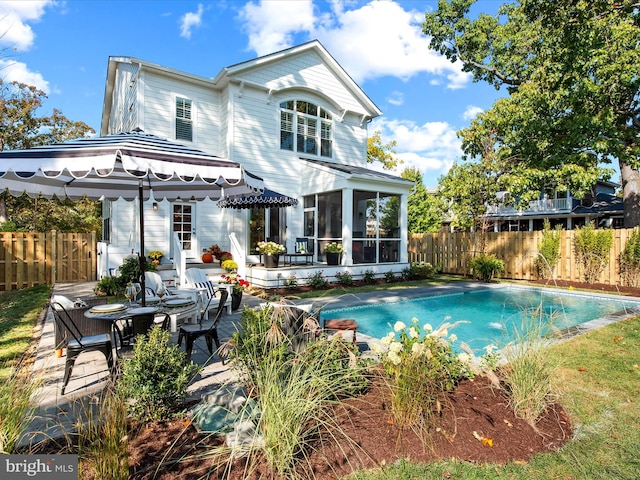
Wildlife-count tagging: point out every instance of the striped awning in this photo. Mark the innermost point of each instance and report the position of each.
(267, 199)
(113, 167)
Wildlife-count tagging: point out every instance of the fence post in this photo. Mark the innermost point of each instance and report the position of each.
(54, 255)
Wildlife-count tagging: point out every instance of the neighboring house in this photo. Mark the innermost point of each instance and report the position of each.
(602, 206)
(294, 118)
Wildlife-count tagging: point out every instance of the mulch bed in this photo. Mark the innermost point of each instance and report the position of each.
(171, 450)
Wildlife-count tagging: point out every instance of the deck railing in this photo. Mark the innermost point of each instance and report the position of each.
(553, 205)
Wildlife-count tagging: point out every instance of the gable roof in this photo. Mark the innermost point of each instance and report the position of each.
(314, 46)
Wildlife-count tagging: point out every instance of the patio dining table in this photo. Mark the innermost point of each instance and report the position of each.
(140, 319)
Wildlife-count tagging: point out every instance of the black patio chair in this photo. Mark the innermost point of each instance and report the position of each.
(190, 332)
(80, 344)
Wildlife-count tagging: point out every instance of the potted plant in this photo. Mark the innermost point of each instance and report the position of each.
(223, 256)
(333, 252)
(271, 251)
(239, 284)
(155, 256)
(229, 265)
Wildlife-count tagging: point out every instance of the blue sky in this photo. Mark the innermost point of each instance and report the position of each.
(63, 47)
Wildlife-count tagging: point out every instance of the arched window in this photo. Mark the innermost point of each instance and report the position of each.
(305, 128)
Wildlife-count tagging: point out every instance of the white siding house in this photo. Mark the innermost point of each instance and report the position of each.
(294, 118)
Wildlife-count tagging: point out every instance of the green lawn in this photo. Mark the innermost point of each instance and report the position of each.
(19, 310)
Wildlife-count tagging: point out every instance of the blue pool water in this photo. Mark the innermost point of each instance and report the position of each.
(490, 313)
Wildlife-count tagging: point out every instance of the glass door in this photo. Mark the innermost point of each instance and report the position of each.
(183, 220)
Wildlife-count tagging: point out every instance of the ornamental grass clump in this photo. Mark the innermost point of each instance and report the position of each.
(296, 385)
(17, 406)
(529, 371)
(103, 436)
(421, 366)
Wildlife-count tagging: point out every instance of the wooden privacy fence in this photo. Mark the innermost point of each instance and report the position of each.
(518, 250)
(28, 259)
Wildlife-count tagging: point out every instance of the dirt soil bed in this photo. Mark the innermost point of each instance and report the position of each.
(172, 450)
(598, 287)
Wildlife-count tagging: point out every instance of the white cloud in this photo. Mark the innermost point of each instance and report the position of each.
(396, 98)
(14, 17)
(431, 147)
(377, 39)
(471, 112)
(272, 24)
(190, 20)
(11, 71)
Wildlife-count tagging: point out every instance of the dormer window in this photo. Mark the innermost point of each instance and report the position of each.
(305, 128)
(184, 124)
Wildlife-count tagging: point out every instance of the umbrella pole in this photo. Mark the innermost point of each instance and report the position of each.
(141, 258)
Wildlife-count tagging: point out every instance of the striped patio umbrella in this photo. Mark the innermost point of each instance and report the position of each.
(129, 166)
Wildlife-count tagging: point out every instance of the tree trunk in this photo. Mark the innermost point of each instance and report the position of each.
(630, 194)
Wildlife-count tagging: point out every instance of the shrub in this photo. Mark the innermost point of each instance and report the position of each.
(630, 260)
(548, 250)
(345, 278)
(592, 248)
(421, 271)
(369, 277)
(291, 281)
(405, 274)
(107, 286)
(389, 277)
(421, 367)
(156, 377)
(486, 267)
(317, 281)
(130, 271)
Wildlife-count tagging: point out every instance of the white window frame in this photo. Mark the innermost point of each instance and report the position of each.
(301, 128)
(187, 121)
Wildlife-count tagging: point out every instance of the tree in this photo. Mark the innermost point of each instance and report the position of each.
(572, 72)
(468, 188)
(23, 128)
(383, 153)
(425, 211)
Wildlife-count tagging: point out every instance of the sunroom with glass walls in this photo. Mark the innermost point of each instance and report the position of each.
(374, 224)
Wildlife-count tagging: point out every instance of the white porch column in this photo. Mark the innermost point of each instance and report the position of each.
(347, 225)
(404, 228)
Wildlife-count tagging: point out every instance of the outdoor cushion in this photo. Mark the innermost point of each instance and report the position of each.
(67, 303)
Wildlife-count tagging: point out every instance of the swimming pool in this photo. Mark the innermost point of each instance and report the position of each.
(489, 312)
